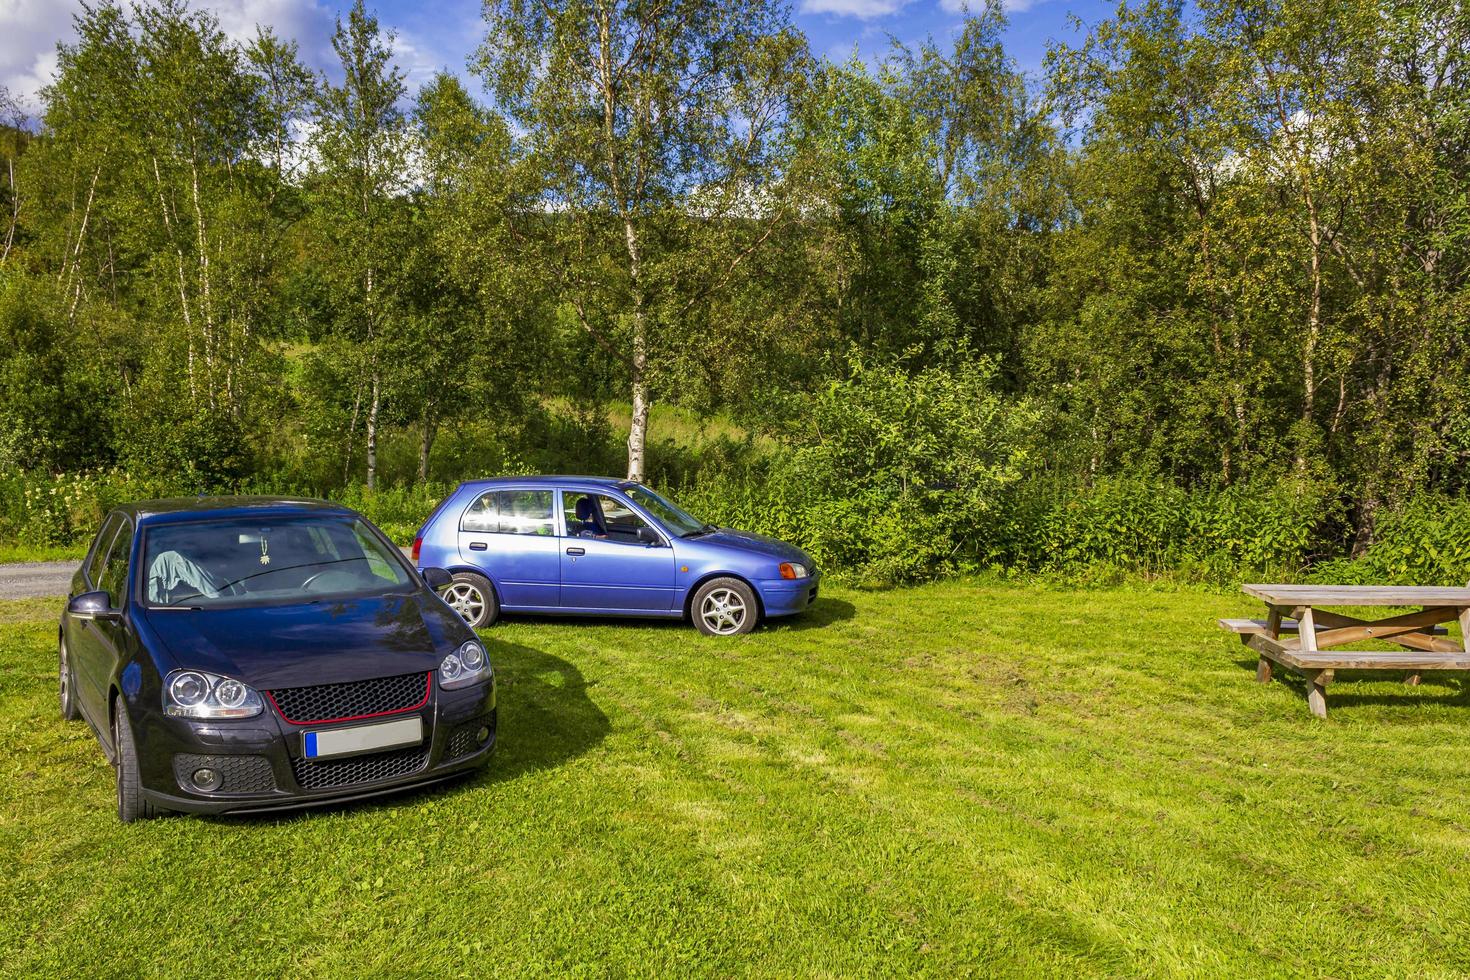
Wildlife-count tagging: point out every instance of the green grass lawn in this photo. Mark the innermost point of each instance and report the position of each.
(963, 777)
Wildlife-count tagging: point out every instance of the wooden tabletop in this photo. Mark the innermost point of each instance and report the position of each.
(1359, 595)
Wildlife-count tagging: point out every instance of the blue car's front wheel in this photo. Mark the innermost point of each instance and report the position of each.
(724, 607)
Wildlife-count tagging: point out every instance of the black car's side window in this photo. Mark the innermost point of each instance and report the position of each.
(114, 578)
(101, 545)
(510, 512)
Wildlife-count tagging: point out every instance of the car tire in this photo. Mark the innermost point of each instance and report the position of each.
(473, 597)
(724, 607)
(66, 683)
(131, 804)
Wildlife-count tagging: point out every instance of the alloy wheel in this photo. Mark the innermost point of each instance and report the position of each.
(466, 600)
(723, 611)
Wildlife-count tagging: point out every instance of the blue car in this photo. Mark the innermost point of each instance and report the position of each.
(583, 545)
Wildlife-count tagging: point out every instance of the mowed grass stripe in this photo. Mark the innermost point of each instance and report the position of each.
(964, 777)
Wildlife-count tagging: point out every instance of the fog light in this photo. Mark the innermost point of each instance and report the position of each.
(482, 734)
(207, 780)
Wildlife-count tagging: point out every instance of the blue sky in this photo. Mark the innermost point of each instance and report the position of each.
(443, 34)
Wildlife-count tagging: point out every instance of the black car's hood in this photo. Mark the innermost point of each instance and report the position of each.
(323, 642)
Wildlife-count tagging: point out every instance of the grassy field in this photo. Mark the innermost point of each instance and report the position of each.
(960, 778)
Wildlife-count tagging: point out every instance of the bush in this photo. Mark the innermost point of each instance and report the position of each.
(1152, 526)
(889, 475)
(1425, 542)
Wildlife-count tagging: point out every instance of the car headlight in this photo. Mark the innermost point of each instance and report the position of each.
(465, 666)
(200, 694)
(791, 569)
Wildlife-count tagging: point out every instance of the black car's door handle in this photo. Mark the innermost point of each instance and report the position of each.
(478, 546)
(576, 551)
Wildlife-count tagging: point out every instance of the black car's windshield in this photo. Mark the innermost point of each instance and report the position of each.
(291, 559)
(673, 518)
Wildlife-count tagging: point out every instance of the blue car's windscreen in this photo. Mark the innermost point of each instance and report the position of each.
(674, 518)
(221, 562)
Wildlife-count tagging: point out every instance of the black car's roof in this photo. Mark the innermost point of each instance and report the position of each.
(186, 508)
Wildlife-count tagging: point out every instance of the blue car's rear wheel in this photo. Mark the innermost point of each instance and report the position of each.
(473, 597)
(724, 607)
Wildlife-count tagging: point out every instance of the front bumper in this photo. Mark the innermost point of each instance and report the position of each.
(787, 597)
(263, 767)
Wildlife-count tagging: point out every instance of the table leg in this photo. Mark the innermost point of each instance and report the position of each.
(1307, 629)
(1317, 681)
(1273, 630)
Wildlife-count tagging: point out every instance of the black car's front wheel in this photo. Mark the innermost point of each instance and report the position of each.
(66, 683)
(473, 597)
(724, 607)
(131, 804)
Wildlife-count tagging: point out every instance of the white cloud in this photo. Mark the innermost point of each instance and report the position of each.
(861, 9)
(31, 29)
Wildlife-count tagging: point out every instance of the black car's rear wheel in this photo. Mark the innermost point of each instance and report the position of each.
(66, 683)
(473, 597)
(724, 607)
(130, 802)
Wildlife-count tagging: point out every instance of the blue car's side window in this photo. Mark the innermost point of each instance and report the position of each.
(483, 515)
(510, 512)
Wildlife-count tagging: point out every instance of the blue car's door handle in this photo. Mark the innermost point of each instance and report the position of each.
(576, 551)
(478, 546)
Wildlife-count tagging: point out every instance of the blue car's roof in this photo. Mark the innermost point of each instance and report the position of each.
(596, 482)
(193, 508)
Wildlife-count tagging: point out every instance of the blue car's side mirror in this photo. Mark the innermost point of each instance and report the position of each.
(649, 537)
(437, 578)
(93, 605)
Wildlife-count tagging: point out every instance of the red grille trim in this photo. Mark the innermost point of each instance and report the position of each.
(428, 688)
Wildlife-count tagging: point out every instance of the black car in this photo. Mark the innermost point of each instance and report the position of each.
(239, 654)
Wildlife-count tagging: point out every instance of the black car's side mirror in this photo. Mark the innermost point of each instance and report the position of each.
(93, 605)
(437, 578)
(649, 537)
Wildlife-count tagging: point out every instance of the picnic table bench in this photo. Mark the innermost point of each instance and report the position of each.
(1298, 634)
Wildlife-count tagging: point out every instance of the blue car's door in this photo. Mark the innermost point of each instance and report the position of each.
(511, 534)
(604, 564)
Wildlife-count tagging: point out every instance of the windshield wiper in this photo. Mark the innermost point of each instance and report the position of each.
(707, 529)
(268, 571)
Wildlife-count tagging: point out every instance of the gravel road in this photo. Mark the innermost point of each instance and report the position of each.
(35, 578)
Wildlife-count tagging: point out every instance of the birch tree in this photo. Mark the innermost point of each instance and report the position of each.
(361, 144)
(644, 115)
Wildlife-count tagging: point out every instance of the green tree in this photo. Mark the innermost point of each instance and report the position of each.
(361, 142)
(644, 117)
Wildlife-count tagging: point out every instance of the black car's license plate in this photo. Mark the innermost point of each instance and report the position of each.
(362, 738)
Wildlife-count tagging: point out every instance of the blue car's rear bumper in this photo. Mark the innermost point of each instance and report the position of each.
(786, 597)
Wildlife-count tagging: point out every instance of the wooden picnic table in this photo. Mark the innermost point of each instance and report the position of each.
(1299, 634)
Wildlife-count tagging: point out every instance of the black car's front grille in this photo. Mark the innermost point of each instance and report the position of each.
(242, 773)
(373, 768)
(356, 699)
